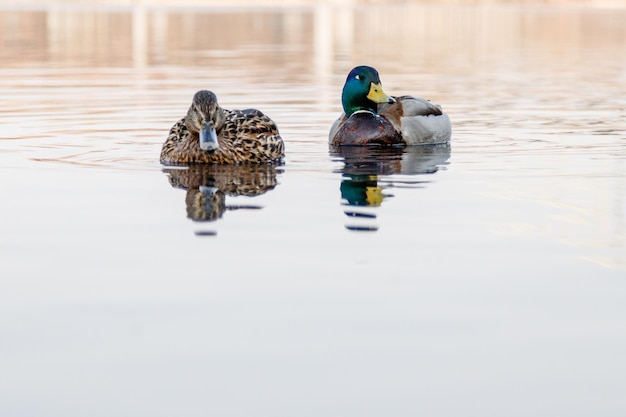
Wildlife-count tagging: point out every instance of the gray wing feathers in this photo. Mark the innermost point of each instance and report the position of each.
(418, 106)
(421, 130)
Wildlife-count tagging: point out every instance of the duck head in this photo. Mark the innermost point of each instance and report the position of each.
(205, 117)
(363, 91)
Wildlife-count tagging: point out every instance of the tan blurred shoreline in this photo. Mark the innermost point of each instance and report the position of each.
(11, 4)
(321, 36)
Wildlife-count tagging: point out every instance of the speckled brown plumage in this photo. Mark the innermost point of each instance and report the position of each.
(244, 136)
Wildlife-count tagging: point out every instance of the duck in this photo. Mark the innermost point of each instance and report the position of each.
(210, 134)
(371, 117)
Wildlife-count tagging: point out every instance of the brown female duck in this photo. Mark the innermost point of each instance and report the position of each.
(211, 134)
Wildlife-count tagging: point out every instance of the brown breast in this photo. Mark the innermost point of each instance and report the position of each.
(367, 129)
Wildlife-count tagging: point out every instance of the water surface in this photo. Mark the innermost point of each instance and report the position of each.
(486, 278)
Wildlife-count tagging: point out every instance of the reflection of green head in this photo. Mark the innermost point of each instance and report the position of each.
(361, 190)
(363, 91)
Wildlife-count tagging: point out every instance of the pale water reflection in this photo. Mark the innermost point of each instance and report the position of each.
(492, 279)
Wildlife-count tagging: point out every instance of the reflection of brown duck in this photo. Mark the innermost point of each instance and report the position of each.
(208, 185)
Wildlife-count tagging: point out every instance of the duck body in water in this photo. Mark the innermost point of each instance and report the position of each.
(371, 117)
(210, 134)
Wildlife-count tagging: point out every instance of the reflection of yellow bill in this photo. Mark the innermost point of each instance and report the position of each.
(374, 196)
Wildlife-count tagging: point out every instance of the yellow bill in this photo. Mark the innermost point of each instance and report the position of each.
(377, 95)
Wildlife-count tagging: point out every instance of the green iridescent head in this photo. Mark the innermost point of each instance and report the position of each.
(363, 91)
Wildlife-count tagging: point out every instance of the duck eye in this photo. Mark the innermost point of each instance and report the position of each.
(358, 77)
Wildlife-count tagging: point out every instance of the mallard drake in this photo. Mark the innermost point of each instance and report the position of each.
(213, 135)
(371, 117)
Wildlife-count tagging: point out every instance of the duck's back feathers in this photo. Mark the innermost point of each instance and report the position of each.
(246, 136)
(251, 136)
(426, 130)
(419, 121)
(410, 106)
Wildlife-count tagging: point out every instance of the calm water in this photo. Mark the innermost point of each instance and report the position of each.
(487, 278)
